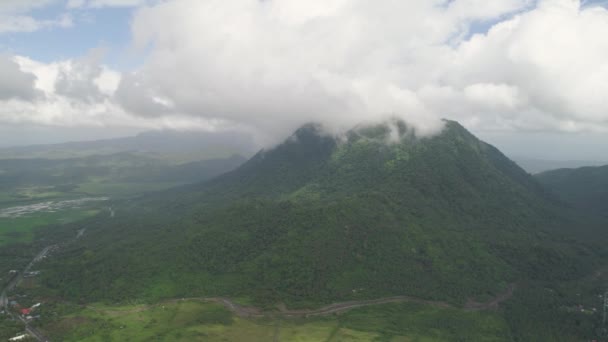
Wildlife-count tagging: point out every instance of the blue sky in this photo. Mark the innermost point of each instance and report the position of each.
(107, 28)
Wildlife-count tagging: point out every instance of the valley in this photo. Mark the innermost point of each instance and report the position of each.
(41, 191)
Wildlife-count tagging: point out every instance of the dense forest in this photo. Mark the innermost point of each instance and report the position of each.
(586, 188)
(319, 219)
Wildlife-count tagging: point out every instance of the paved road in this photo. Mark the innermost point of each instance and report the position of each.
(31, 330)
(3, 300)
(5, 290)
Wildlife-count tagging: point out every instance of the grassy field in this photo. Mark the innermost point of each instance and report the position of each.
(197, 321)
(21, 229)
(124, 189)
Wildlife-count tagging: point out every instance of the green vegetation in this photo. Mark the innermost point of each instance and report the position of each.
(25, 181)
(43, 188)
(318, 220)
(586, 188)
(194, 320)
(9, 328)
(21, 229)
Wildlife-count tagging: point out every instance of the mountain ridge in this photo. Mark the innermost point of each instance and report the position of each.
(586, 188)
(315, 219)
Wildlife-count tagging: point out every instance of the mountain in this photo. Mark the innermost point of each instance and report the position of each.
(377, 212)
(128, 166)
(173, 145)
(586, 188)
(535, 166)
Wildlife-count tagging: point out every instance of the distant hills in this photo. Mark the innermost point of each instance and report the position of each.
(586, 188)
(535, 166)
(172, 145)
(317, 219)
(117, 167)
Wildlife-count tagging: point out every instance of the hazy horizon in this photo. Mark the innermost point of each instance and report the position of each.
(106, 70)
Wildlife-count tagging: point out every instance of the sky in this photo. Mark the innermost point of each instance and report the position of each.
(529, 76)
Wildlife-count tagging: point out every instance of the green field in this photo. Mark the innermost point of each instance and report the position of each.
(124, 189)
(21, 229)
(198, 321)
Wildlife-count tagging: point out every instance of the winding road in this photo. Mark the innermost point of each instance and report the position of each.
(336, 308)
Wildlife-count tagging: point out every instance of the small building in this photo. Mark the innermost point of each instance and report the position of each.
(31, 274)
(25, 311)
(19, 338)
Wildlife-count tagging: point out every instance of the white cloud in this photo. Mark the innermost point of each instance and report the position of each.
(24, 23)
(554, 58)
(73, 93)
(19, 6)
(273, 65)
(105, 3)
(14, 16)
(75, 3)
(15, 83)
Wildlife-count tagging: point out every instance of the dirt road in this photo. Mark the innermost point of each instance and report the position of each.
(336, 308)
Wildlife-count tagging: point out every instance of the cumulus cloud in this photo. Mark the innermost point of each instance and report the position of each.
(277, 64)
(273, 65)
(15, 83)
(77, 79)
(105, 3)
(73, 93)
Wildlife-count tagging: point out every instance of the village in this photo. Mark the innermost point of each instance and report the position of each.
(19, 307)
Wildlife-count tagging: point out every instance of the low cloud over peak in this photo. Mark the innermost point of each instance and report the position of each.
(271, 66)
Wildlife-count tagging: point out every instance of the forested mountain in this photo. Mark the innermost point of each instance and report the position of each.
(585, 187)
(377, 212)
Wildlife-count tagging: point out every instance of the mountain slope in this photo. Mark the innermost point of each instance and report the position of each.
(378, 212)
(586, 187)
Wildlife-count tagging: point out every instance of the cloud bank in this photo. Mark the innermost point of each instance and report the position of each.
(270, 66)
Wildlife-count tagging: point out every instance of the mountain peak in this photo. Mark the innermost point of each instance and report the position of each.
(316, 217)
